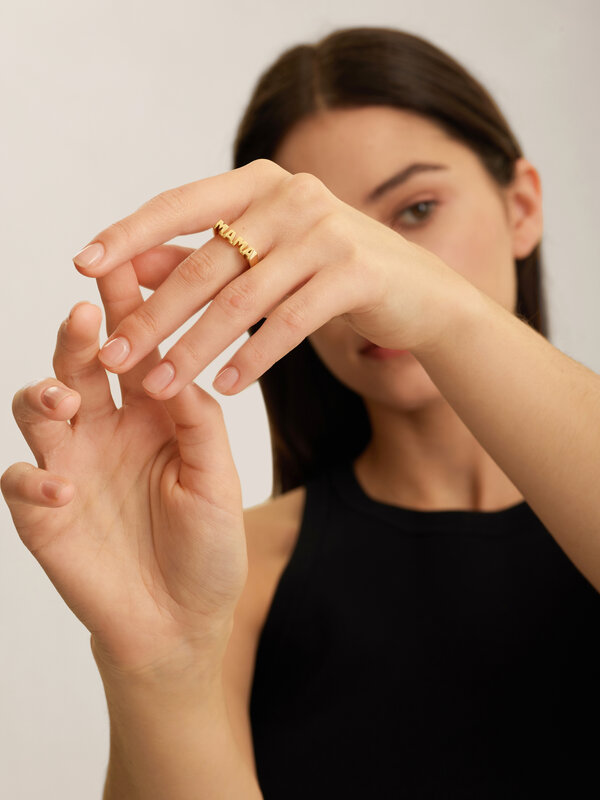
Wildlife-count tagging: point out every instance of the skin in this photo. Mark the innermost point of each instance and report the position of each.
(139, 516)
(164, 470)
(421, 454)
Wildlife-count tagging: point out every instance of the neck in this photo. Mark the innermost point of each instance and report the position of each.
(428, 459)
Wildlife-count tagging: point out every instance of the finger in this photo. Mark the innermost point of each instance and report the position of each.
(121, 296)
(76, 361)
(24, 485)
(156, 264)
(240, 304)
(202, 274)
(327, 295)
(206, 464)
(186, 290)
(42, 411)
(189, 208)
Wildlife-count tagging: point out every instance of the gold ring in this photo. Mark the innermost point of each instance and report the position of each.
(236, 240)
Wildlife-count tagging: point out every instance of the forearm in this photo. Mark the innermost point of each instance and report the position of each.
(173, 741)
(535, 411)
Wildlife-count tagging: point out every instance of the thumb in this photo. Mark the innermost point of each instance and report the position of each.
(206, 462)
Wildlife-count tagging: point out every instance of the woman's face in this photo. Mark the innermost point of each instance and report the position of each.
(457, 212)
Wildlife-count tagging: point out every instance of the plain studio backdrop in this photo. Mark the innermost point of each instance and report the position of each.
(106, 104)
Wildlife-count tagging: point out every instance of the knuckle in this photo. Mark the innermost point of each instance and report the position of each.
(73, 369)
(197, 268)
(237, 298)
(292, 314)
(73, 358)
(121, 229)
(253, 357)
(265, 166)
(25, 403)
(262, 172)
(304, 188)
(69, 346)
(64, 350)
(336, 238)
(333, 226)
(174, 202)
(143, 318)
(188, 346)
(24, 396)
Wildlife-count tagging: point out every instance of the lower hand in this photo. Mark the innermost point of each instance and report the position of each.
(319, 258)
(134, 513)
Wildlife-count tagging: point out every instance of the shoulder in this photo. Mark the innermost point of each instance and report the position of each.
(272, 526)
(272, 529)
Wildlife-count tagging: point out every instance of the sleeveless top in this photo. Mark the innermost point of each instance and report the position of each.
(426, 654)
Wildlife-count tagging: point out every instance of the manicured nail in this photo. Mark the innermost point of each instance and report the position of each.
(226, 379)
(115, 351)
(159, 377)
(54, 395)
(90, 256)
(52, 489)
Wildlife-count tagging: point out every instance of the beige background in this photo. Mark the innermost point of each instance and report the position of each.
(105, 104)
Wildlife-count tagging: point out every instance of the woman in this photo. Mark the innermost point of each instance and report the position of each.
(414, 612)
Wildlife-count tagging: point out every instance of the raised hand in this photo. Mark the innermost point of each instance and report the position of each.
(319, 258)
(134, 513)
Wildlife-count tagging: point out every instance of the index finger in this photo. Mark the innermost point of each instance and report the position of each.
(120, 293)
(190, 208)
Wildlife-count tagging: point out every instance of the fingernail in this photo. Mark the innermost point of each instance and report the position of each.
(90, 256)
(226, 378)
(159, 377)
(54, 395)
(115, 351)
(52, 489)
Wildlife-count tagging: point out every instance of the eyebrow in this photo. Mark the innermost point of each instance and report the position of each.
(401, 177)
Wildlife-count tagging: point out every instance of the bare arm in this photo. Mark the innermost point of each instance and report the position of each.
(171, 739)
(135, 514)
(536, 412)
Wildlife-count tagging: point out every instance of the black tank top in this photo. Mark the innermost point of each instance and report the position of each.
(426, 654)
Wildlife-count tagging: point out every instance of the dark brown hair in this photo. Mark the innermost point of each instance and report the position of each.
(314, 419)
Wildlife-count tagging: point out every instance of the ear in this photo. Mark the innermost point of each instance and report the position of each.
(524, 207)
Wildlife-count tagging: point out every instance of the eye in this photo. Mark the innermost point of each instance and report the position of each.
(420, 212)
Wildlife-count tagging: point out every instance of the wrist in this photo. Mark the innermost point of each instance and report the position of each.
(460, 315)
(179, 667)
